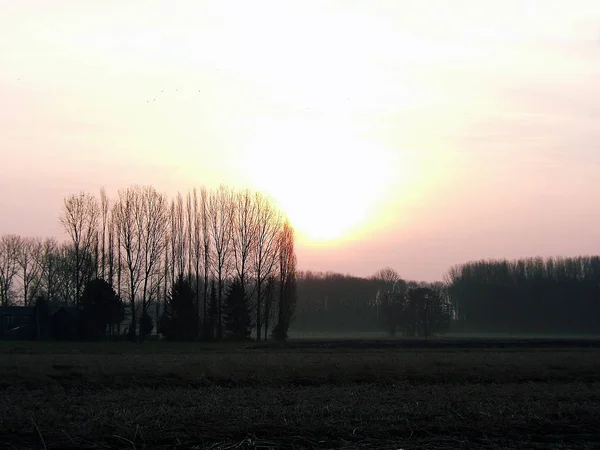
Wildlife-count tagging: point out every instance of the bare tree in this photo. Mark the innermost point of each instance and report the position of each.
(28, 257)
(80, 220)
(154, 231)
(126, 211)
(196, 251)
(206, 253)
(104, 227)
(173, 241)
(389, 285)
(110, 249)
(9, 266)
(244, 231)
(96, 255)
(180, 237)
(268, 225)
(390, 299)
(65, 267)
(118, 255)
(166, 271)
(287, 282)
(189, 231)
(49, 267)
(220, 214)
(387, 276)
(141, 219)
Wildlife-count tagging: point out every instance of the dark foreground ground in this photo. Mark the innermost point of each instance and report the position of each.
(332, 395)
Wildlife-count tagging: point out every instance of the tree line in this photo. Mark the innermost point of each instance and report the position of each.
(150, 249)
(333, 302)
(218, 263)
(532, 295)
(525, 296)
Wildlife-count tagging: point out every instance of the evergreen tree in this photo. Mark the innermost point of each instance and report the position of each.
(178, 322)
(101, 306)
(237, 314)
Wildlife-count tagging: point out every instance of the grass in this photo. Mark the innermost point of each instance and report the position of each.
(158, 395)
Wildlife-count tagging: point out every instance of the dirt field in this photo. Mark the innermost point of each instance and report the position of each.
(332, 395)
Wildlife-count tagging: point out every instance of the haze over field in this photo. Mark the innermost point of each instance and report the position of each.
(393, 134)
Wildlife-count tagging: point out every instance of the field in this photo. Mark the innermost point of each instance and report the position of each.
(309, 394)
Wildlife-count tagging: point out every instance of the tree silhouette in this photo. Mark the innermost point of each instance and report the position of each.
(139, 241)
(28, 258)
(206, 253)
(140, 216)
(212, 316)
(334, 302)
(41, 314)
(146, 324)
(390, 298)
(393, 306)
(268, 225)
(220, 226)
(237, 314)
(287, 283)
(178, 322)
(424, 313)
(101, 306)
(9, 266)
(80, 220)
(532, 295)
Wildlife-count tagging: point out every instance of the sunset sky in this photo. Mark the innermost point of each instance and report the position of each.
(416, 137)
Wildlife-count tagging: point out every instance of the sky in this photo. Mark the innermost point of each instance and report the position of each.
(414, 135)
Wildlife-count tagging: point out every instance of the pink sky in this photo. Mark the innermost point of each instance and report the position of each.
(419, 137)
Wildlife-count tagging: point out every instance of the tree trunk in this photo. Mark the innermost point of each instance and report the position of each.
(157, 308)
(258, 305)
(205, 289)
(197, 301)
(132, 327)
(268, 300)
(219, 309)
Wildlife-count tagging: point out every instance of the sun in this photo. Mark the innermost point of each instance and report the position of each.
(325, 176)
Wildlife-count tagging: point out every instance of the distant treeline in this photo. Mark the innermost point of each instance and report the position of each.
(526, 296)
(336, 302)
(535, 295)
(333, 302)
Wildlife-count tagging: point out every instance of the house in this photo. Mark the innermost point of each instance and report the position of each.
(17, 323)
(21, 323)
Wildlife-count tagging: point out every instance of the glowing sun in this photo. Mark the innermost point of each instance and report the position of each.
(326, 177)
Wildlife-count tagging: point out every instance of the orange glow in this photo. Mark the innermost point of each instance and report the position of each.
(325, 175)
